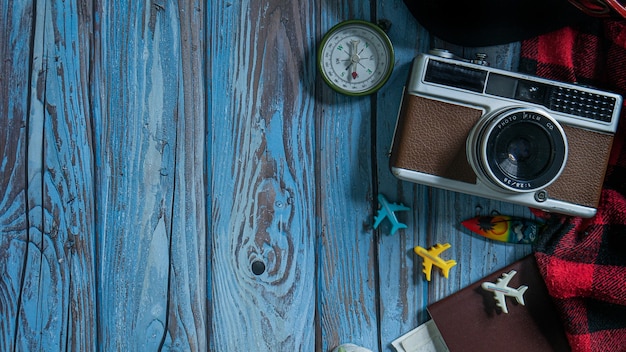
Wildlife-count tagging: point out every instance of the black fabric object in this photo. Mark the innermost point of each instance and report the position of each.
(493, 22)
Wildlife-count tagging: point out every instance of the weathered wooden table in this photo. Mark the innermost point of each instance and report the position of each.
(174, 175)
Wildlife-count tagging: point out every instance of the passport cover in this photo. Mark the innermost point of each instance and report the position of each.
(469, 319)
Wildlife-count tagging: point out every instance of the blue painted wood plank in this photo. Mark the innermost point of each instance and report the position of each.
(347, 302)
(262, 170)
(148, 90)
(16, 29)
(134, 146)
(187, 325)
(403, 292)
(58, 288)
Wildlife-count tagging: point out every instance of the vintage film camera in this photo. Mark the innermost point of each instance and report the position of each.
(503, 135)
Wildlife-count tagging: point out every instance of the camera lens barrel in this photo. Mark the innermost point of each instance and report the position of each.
(519, 149)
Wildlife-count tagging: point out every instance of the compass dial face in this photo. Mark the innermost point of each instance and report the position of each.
(356, 58)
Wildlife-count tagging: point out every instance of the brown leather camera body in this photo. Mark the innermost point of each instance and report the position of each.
(431, 137)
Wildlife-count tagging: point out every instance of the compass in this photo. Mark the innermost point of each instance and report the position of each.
(355, 57)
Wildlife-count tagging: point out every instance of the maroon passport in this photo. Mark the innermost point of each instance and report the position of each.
(469, 319)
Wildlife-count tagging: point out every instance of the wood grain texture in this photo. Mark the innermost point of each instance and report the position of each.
(66, 191)
(149, 122)
(403, 291)
(174, 175)
(347, 258)
(263, 176)
(16, 31)
(57, 290)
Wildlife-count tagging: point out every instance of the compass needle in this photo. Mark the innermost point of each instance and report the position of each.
(354, 57)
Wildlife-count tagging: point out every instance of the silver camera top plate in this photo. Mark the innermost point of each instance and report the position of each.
(492, 89)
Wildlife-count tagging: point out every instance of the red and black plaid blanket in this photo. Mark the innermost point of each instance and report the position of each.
(583, 261)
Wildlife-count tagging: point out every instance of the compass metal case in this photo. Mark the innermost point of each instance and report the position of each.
(355, 57)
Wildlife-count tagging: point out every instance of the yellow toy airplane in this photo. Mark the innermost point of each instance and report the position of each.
(431, 256)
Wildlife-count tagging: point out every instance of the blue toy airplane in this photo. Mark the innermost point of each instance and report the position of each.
(387, 210)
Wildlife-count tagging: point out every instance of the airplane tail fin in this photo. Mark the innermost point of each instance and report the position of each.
(519, 296)
(397, 227)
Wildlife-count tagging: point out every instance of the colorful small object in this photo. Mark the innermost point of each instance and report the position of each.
(388, 210)
(431, 257)
(504, 228)
(501, 289)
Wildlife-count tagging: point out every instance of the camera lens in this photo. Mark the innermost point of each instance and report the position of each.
(520, 149)
(522, 152)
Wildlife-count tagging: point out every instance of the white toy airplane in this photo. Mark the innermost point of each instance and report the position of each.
(500, 290)
(431, 256)
(387, 210)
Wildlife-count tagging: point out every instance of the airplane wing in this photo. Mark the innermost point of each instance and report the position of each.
(428, 267)
(445, 268)
(500, 301)
(503, 281)
(437, 249)
(398, 207)
(380, 216)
